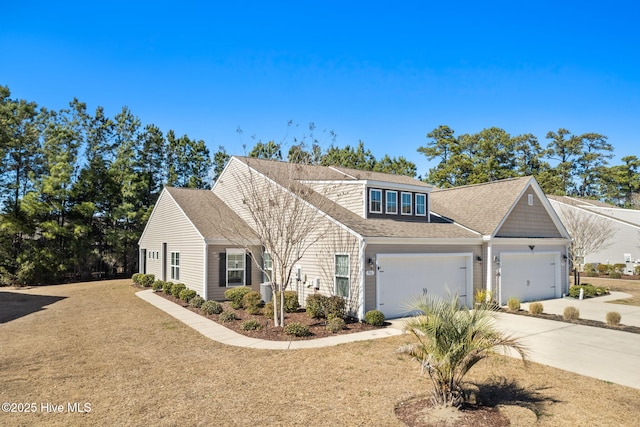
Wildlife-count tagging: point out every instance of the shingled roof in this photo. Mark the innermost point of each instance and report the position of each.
(481, 207)
(281, 171)
(207, 212)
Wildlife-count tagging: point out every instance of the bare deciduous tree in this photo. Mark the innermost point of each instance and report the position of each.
(284, 215)
(589, 233)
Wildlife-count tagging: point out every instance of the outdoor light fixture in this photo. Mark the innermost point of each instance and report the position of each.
(532, 247)
(479, 258)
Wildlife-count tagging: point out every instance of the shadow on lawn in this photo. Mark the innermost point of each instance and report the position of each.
(503, 391)
(15, 305)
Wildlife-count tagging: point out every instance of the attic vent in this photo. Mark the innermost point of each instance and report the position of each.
(530, 199)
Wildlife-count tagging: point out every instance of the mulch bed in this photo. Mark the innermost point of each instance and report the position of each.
(317, 327)
(583, 322)
(419, 412)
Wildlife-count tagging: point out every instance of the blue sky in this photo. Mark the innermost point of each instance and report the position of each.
(386, 73)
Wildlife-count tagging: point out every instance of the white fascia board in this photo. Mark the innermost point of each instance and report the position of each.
(421, 241)
(233, 158)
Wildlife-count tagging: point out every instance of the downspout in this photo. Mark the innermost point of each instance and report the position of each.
(362, 248)
(205, 271)
(489, 263)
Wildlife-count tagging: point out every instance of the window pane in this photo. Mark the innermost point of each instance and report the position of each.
(376, 200)
(235, 277)
(342, 265)
(392, 202)
(342, 286)
(406, 203)
(421, 204)
(235, 261)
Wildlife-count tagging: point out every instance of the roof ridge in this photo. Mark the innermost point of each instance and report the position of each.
(499, 181)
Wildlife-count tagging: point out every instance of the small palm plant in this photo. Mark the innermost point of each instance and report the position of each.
(451, 339)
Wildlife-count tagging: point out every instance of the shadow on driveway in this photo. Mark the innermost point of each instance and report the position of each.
(14, 305)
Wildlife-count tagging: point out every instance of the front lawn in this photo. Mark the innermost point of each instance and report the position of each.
(99, 343)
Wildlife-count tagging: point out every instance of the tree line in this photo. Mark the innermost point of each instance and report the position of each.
(77, 187)
(569, 164)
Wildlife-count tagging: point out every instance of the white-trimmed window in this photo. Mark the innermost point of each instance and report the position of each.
(175, 265)
(375, 200)
(392, 202)
(236, 267)
(405, 204)
(268, 266)
(342, 275)
(421, 205)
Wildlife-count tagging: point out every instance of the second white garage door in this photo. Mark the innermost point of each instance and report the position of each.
(403, 277)
(529, 276)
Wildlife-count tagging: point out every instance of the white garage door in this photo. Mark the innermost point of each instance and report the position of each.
(529, 276)
(403, 277)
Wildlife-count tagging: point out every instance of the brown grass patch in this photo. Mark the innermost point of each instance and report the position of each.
(631, 287)
(137, 365)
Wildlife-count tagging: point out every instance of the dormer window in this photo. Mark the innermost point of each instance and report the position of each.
(421, 204)
(406, 202)
(392, 202)
(375, 201)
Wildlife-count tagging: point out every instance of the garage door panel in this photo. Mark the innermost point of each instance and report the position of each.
(528, 277)
(403, 278)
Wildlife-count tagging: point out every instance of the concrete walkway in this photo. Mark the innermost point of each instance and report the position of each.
(605, 354)
(217, 332)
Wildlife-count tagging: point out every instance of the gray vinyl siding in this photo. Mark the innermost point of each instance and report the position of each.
(168, 224)
(215, 288)
(528, 221)
(628, 215)
(372, 250)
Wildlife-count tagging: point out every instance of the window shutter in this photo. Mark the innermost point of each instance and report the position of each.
(247, 270)
(222, 277)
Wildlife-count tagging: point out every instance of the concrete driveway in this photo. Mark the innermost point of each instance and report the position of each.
(605, 354)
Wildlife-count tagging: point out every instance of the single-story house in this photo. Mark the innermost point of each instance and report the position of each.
(624, 245)
(379, 240)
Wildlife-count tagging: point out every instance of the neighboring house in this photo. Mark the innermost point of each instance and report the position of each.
(624, 245)
(387, 238)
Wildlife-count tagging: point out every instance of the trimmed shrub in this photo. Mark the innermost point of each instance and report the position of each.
(147, 280)
(316, 306)
(177, 288)
(291, 304)
(251, 302)
(535, 308)
(250, 325)
(571, 313)
(615, 275)
(187, 295)
(228, 316)
(619, 268)
(158, 285)
(589, 268)
(589, 290)
(335, 325)
(196, 301)
(613, 318)
(166, 287)
(513, 304)
(336, 307)
(236, 294)
(267, 310)
(136, 278)
(297, 329)
(636, 270)
(374, 317)
(603, 268)
(211, 307)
